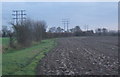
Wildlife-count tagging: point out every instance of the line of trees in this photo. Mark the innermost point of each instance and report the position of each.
(5, 31)
(104, 31)
(29, 31)
(59, 32)
(25, 33)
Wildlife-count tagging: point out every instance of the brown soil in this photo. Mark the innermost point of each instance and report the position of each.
(82, 56)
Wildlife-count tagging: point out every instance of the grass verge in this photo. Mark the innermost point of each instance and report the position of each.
(24, 62)
(5, 41)
(0, 63)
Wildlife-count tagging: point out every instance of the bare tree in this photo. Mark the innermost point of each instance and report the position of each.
(72, 30)
(29, 31)
(4, 31)
(23, 32)
(39, 30)
(104, 31)
(77, 31)
(59, 30)
(52, 30)
(11, 38)
(98, 31)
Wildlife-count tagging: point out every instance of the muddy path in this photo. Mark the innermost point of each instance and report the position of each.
(81, 56)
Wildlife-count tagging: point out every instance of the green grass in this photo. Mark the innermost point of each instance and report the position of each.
(5, 41)
(0, 63)
(0, 40)
(24, 62)
(0, 56)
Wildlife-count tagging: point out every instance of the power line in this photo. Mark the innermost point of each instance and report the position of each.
(86, 27)
(22, 15)
(66, 24)
(63, 21)
(15, 14)
(18, 15)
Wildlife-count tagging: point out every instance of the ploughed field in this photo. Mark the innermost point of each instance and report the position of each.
(82, 56)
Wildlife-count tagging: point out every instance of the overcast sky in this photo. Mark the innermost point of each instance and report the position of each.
(94, 14)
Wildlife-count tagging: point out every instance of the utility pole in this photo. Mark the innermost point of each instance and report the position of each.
(66, 24)
(22, 15)
(86, 27)
(63, 24)
(15, 18)
(18, 15)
